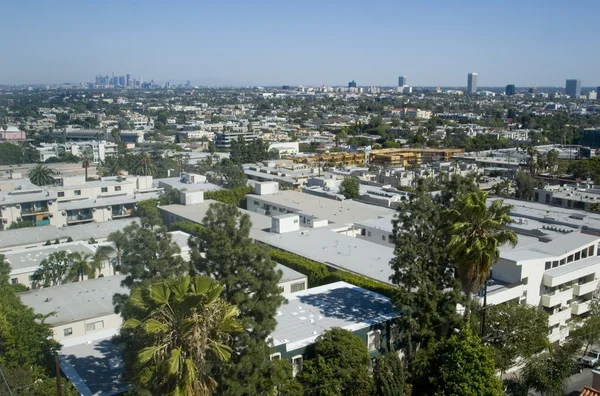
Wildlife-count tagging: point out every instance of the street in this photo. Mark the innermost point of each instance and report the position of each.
(578, 381)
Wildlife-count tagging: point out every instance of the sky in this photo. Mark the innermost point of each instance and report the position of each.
(309, 42)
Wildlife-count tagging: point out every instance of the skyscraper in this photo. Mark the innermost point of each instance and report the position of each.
(128, 80)
(188, 84)
(402, 81)
(510, 90)
(99, 80)
(352, 84)
(573, 88)
(472, 83)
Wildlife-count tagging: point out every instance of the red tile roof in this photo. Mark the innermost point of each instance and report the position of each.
(587, 391)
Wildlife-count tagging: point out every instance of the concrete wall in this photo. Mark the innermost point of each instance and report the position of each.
(375, 235)
(78, 328)
(287, 286)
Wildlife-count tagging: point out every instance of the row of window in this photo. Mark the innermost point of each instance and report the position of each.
(88, 327)
(78, 192)
(585, 253)
(364, 232)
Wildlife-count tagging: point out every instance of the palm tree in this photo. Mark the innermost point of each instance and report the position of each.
(110, 167)
(82, 265)
(476, 233)
(104, 254)
(119, 240)
(144, 165)
(176, 330)
(86, 160)
(41, 175)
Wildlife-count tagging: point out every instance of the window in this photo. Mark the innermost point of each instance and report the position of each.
(563, 261)
(61, 193)
(577, 256)
(282, 210)
(390, 238)
(14, 281)
(77, 192)
(548, 265)
(584, 253)
(275, 356)
(296, 364)
(374, 340)
(383, 237)
(94, 326)
(256, 203)
(363, 232)
(570, 259)
(104, 189)
(555, 264)
(368, 233)
(117, 188)
(591, 250)
(297, 287)
(295, 221)
(68, 331)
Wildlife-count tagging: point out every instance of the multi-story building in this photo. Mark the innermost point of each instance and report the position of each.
(510, 90)
(402, 81)
(411, 156)
(224, 139)
(573, 88)
(472, 83)
(80, 134)
(560, 276)
(99, 150)
(568, 197)
(74, 201)
(12, 133)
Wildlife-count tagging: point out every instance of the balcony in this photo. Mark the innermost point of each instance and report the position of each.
(81, 217)
(559, 297)
(580, 307)
(559, 317)
(558, 335)
(571, 272)
(121, 211)
(33, 210)
(580, 290)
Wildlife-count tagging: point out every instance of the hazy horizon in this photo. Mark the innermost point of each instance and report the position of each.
(232, 43)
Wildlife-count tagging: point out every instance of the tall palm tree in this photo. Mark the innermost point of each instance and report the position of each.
(110, 167)
(41, 175)
(119, 240)
(86, 160)
(104, 254)
(144, 165)
(82, 265)
(177, 329)
(476, 233)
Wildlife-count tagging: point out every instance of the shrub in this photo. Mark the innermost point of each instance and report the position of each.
(234, 196)
(316, 272)
(361, 281)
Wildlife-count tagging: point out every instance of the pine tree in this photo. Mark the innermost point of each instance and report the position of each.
(427, 290)
(224, 251)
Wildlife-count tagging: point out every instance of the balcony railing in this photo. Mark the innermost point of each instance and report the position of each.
(80, 217)
(585, 288)
(559, 317)
(558, 297)
(34, 209)
(580, 307)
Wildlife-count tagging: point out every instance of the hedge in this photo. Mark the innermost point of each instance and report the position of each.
(319, 274)
(235, 196)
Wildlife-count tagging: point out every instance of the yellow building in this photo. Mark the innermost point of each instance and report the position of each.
(411, 156)
(343, 158)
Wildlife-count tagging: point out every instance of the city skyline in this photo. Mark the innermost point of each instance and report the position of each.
(267, 43)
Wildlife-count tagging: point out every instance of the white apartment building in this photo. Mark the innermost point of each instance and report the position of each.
(99, 150)
(75, 201)
(223, 140)
(560, 276)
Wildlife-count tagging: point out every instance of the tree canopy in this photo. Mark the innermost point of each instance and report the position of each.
(350, 188)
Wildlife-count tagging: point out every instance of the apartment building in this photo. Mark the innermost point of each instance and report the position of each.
(378, 230)
(74, 200)
(98, 150)
(411, 156)
(568, 196)
(559, 275)
(224, 139)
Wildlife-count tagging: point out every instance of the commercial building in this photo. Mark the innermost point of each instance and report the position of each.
(472, 83)
(224, 139)
(573, 88)
(352, 84)
(12, 133)
(568, 197)
(402, 81)
(590, 137)
(510, 90)
(98, 150)
(308, 314)
(411, 156)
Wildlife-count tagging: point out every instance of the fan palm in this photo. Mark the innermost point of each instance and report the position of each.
(41, 175)
(119, 240)
(178, 328)
(110, 167)
(476, 233)
(103, 254)
(82, 265)
(144, 165)
(86, 160)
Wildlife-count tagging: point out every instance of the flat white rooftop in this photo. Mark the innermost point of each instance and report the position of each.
(26, 260)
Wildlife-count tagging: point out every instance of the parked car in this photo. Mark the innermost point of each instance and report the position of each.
(592, 358)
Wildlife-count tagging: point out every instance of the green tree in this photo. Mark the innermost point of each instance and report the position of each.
(525, 185)
(588, 332)
(427, 291)
(53, 269)
(143, 165)
(350, 188)
(460, 365)
(82, 265)
(388, 374)
(41, 175)
(224, 251)
(476, 233)
(147, 211)
(515, 331)
(340, 366)
(21, 224)
(103, 254)
(550, 373)
(229, 174)
(119, 241)
(110, 167)
(176, 331)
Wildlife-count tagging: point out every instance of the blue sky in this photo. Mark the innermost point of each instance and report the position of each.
(437, 42)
